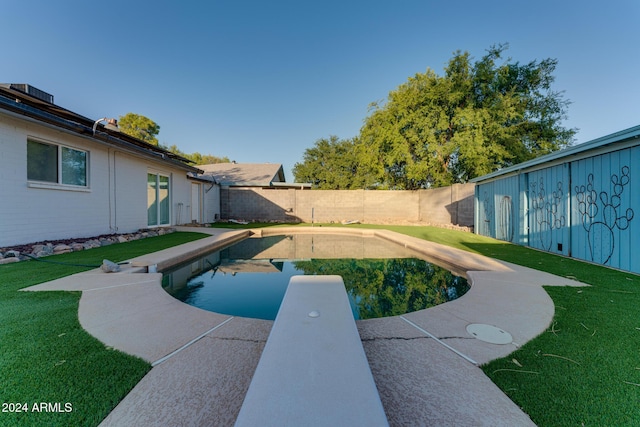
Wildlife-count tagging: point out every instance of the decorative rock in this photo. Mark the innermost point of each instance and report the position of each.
(61, 249)
(37, 249)
(109, 266)
(41, 249)
(90, 244)
(75, 247)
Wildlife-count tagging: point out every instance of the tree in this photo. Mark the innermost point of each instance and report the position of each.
(147, 130)
(332, 164)
(197, 158)
(476, 118)
(140, 127)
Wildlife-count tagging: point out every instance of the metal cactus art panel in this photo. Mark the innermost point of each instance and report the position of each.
(548, 212)
(602, 213)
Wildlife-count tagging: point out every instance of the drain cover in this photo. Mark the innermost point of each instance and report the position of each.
(490, 334)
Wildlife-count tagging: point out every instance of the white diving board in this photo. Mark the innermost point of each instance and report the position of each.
(313, 370)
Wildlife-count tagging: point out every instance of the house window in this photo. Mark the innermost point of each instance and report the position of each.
(56, 164)
(158, 200)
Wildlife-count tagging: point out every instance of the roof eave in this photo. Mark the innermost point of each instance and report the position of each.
(595, 144)
(75, 124)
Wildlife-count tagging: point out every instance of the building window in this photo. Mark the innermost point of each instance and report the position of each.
(56, 164)
(158, 200)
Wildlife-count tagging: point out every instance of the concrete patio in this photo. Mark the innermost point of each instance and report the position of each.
(425, 364)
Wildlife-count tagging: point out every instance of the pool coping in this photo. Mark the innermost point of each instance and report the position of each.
(210, 357)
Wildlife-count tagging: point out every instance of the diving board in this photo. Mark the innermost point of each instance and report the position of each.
(313, 370)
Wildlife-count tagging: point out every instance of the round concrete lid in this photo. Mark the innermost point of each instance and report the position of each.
(490, 334)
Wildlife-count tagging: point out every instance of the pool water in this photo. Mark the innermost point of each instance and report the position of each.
(249, 279)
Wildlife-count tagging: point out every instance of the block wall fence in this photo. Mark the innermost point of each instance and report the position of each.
(443, 206)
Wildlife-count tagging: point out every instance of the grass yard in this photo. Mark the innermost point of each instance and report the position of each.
(46, 356)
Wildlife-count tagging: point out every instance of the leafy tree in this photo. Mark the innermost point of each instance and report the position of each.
(140, 127)
(435, 130)
(197, 158)
(476, 118)
(147, 130)
(331, 164)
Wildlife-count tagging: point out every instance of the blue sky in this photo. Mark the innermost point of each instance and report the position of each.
(261, 81)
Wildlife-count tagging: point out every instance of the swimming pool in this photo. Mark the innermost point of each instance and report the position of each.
(249, 278)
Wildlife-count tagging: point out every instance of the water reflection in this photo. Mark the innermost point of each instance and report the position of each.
(249, 279)
(390, 287)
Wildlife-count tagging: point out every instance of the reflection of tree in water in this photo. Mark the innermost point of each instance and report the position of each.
(389, 287)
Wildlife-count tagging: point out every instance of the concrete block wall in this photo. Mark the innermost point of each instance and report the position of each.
(390, 206)
(453, 204)
(258, 204)
(329, 205)
(447, 205)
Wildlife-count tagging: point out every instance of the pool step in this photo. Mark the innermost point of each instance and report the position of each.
(313, 370)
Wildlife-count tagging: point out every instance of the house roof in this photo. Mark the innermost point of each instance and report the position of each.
(38, 106)
(245, 174)
(615, 141)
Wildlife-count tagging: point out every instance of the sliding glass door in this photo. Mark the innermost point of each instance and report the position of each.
(158, 200)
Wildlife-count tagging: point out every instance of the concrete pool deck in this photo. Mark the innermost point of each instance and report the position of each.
(425, 364)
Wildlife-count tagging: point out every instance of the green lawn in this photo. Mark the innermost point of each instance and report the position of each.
(584, 370)
(46, 356)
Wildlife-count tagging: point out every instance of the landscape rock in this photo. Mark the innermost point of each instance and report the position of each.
(42, 249)
(105, 242)
(61, 249)
(36, 249)
(75, 247)
(91, 244)
(109, 266)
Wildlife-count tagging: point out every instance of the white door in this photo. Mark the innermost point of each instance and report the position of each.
(195, 203)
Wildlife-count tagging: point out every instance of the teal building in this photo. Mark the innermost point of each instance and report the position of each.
(581, 202)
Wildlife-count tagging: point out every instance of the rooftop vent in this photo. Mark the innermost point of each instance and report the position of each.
(35, 92)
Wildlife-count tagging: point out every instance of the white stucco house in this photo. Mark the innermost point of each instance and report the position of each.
(67, 176)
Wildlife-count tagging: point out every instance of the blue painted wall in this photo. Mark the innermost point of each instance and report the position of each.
(498, 209)
(549, 210)
(587, 208)
(604, 209)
